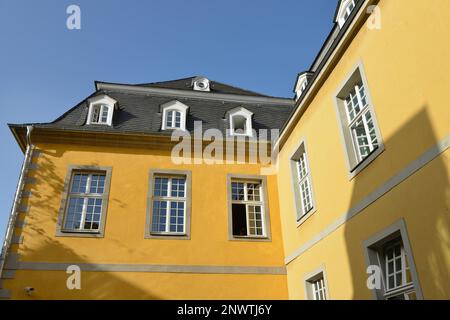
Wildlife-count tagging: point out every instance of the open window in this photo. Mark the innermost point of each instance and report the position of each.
(248, 210)
(174, 115)
(101, 110)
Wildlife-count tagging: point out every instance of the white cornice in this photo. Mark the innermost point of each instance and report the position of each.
(195, 94)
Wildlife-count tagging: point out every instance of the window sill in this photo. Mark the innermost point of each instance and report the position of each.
(174, 236)
(250, 238)
(79, 234)
(364, 163)
(306, 217)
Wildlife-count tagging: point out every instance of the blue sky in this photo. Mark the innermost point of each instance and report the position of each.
(46, 69)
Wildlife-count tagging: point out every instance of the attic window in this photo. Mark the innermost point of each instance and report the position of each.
(201, 84)
(174, 115)
(240, 122)
(345, 10)
(101, 109)
(100, 114)
(302, 83)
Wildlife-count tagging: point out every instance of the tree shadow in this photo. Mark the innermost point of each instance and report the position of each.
(42, 246)
(422, 200)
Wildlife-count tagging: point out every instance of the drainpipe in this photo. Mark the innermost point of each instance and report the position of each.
(17, 200)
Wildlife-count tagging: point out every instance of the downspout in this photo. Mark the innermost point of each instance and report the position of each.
(17, 200)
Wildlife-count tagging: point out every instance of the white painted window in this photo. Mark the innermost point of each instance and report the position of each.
(316, 285)
(301, 176)
(302, 83)
(345, 10)
(173, 119)
(174, 116)
(99, 114)
(360, 122)
(318, 288)
(85, 201)
(169, 205)
(240, 120)
(101, 109)
(398, 281)
(247, 208)
(356, 114)
(304, 182)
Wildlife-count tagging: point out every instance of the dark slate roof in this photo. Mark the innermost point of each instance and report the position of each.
(215, 86)
(140, 112)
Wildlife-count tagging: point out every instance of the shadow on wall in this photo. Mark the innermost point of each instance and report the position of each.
(40, 245)
(422, 200)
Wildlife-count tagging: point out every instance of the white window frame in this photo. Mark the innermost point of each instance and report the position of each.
(173, 107)
(265, 211)
(101, 102)
(300, 157)
(316, 284)
(359, 117)
(169, 199)
(405, 287)
(86, 195)
(355, 161)
(247, 115)
(346, 8)
(251, 203)
(374, 249)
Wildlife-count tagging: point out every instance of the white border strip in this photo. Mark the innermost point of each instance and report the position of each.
(49, 266)
(409, 170)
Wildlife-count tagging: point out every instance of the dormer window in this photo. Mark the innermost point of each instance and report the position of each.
(101, 109)
(174, 116)
(240, 120)
(302, 82)
(345, 9)
(201, 84)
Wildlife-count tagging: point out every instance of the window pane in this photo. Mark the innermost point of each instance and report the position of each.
(79, 183)
(93, 214)
(177, 119)
(178, 187)
(362, 141)
(237, 191)
(169, 119)
(159, 216)
(255, 220)
(371, 127)
(74, 213)
(104, 118)
(161, 187)
(97, 183)
(95, 114)
(253, 193)
(176, 216)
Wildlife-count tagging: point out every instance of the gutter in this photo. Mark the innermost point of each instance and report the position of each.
(17, 200)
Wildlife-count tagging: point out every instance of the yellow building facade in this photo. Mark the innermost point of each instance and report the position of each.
(357, 206)
(400, 190)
